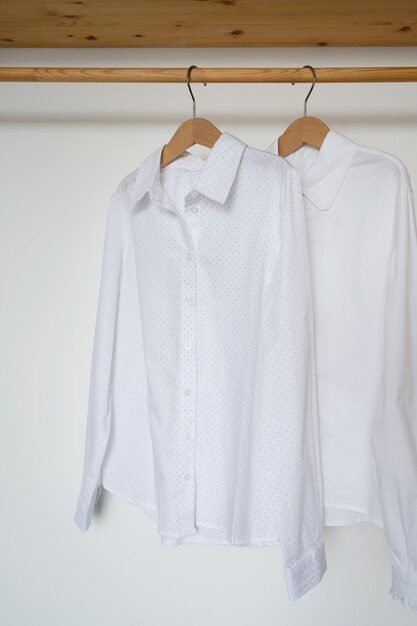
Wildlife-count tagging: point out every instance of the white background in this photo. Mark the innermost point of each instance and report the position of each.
(64, 148)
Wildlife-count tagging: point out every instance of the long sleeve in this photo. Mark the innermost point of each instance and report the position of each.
(297, 341)
(394, 433)
(100, 397)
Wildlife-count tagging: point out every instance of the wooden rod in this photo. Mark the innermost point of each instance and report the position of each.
(208, 75)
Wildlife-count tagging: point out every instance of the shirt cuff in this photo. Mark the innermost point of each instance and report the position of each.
(306, 573)
(404, 588)
(85, 508)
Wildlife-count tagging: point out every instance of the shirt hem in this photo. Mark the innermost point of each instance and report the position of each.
(301, 575)
(170, 540)
(359, 513)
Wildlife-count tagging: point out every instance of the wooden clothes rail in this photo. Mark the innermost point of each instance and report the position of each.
(208, 75)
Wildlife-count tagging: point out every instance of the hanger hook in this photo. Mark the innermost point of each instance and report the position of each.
(311, 88)
(189, 88)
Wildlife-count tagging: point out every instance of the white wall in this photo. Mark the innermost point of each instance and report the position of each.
(64, 148)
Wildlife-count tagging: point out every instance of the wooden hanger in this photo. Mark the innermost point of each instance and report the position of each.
(304, 130)
(196, 130)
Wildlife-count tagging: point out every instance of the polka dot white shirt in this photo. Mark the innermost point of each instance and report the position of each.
(202, 407)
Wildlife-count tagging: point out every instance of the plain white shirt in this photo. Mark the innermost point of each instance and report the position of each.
(202, 407)
(363, 252)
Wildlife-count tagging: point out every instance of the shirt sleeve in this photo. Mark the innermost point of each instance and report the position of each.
(299, 396)
(394, 434)
(100, 397)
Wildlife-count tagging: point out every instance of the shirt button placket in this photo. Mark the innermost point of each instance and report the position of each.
(189, 382)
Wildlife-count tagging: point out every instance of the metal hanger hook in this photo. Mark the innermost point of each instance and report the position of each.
(189, 88)
(311, 88)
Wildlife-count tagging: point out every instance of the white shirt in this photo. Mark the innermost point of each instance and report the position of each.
(363, 252)
(202, 407)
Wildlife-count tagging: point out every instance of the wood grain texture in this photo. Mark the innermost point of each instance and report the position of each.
(208, 75)
(193, 131)
(304, 130)
(198, 23)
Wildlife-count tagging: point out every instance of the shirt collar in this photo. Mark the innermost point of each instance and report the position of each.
(216, 178)
(323, 179)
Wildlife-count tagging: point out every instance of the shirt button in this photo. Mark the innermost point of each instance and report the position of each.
(187, 392)
(189, 298)
(187, 476)
(194, 209)
(188, 345)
